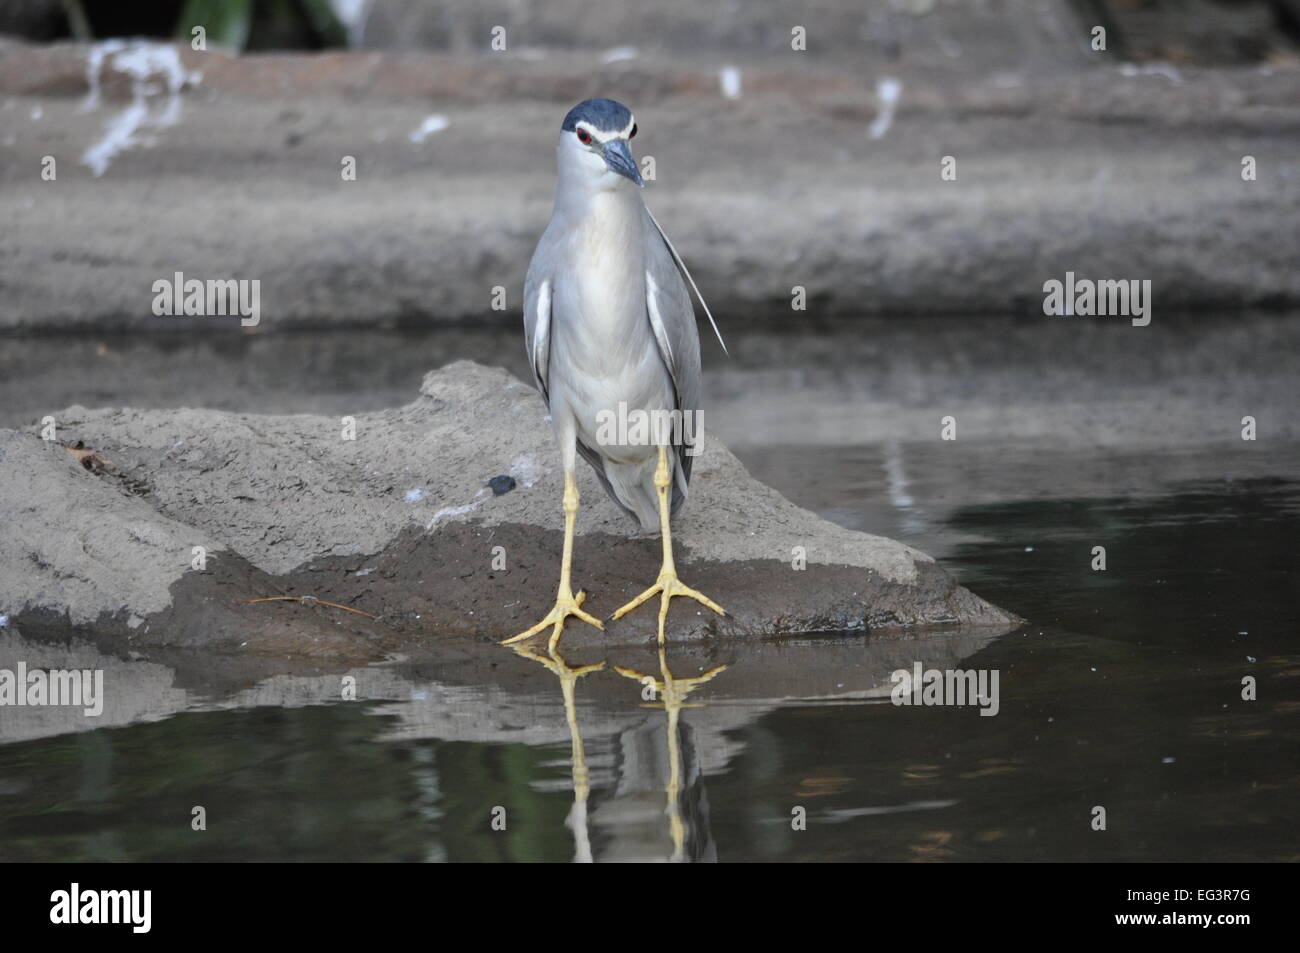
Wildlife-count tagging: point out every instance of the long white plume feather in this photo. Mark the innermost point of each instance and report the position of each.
(691, 281)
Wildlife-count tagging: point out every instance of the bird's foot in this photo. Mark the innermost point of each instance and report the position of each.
(669, 585)
(566, 604)
(670, 690)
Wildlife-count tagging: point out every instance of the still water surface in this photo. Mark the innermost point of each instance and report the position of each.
(1127, 695)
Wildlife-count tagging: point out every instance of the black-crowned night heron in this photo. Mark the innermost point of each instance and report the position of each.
(611, 337)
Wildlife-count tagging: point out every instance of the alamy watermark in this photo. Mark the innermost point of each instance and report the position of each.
(129, 907)
(956, 687)
(1109, 297)
(216, 296)
(55, 687)
(647, 428)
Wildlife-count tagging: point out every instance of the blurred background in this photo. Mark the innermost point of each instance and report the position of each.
(1212, 32)
(793, 145)
(383, 169)
(796, 146)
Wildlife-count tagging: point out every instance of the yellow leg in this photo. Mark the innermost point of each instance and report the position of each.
(668, 584)
(566, 604)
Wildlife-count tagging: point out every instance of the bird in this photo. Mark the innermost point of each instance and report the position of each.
(610, 334)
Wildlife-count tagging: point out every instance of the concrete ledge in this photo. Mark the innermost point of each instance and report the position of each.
(1100, 170)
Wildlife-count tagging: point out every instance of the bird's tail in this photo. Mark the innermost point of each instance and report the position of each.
(633, 486)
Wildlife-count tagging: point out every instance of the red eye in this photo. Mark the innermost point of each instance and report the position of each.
(584, 136)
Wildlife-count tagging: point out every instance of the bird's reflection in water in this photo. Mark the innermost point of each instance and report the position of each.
(672, 692)
(648, 759)
(568, 676)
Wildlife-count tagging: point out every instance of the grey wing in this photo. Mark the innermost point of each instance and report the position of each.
(539, 287)
(539, 293)
(671, 315)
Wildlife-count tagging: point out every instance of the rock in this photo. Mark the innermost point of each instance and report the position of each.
(81, 544)
(399, 526)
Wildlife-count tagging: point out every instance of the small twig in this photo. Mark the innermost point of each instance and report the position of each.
(312, 600)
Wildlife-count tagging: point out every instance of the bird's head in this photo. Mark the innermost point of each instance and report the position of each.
(594, 144)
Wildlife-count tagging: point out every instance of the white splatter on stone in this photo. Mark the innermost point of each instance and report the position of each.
(526, 470)
(141, 61)
(888, 89)
(729, 82)
(452, 511)
(431, 125)
(1167, 70)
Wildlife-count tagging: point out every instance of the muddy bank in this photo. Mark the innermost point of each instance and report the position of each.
(400, 525)
(808, 178)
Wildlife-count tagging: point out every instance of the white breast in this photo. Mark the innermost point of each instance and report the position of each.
(599, 326)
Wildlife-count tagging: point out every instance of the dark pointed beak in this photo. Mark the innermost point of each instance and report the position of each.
(618, 156)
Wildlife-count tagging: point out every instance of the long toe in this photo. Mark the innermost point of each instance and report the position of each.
(564, 607)
(638, 601)
(683, 590)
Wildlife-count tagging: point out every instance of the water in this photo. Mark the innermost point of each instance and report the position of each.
(1124, 691)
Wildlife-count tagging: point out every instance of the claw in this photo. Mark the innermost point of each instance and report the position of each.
(669, 585)
(565, 606)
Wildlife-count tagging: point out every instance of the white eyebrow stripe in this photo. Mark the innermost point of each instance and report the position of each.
(603, 137)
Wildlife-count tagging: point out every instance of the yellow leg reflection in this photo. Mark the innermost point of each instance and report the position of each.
(568, 677)
(668, 584)
(672, 693)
